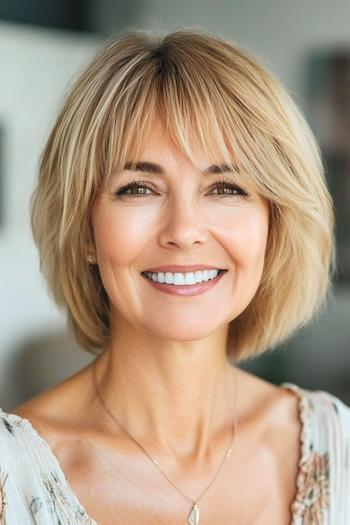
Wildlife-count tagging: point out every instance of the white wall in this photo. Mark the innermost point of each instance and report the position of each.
(36, 66)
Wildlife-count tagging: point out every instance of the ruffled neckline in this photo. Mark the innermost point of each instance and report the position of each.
(305, 440)
(79, 509)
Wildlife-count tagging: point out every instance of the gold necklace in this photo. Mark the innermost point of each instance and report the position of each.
(194, 516)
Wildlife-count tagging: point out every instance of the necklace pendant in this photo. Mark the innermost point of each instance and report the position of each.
(193, 518)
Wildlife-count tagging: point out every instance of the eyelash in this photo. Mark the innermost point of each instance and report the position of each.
(121, 190)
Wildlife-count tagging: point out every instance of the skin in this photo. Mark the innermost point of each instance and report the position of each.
(165, 374)
(164, 345)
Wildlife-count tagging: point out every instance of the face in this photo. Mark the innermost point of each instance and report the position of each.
(157, 218)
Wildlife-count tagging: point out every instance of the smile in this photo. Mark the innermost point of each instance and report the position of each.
(183, 279)
(189, 283)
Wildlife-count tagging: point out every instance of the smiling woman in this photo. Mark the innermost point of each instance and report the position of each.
(184, 223)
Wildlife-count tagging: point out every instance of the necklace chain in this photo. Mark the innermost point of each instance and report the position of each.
(195, 510)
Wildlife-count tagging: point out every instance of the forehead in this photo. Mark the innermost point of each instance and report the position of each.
(159, 148)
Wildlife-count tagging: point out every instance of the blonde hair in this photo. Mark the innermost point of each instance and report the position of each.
(209, 93)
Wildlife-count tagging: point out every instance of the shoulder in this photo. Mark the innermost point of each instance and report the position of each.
(18, 463)
(325, 415)
(331, 414)
(326, 438)
(32, 484)
(24, 453)
(16, 442)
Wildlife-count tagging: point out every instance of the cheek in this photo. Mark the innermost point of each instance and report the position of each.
(119, 236)
(245, 236)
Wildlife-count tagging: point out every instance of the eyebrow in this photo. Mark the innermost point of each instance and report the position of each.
(156, 169)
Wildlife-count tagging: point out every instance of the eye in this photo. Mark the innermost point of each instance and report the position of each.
(229, 189)
(136, 188)
(139, 188)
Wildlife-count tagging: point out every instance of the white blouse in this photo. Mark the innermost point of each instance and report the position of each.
(34, 489)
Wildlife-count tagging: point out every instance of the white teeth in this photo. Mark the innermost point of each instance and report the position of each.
(181, 279)
(169, 278)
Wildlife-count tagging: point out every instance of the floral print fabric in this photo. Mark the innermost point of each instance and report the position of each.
(35, 491)
(323, 482)
(313, 498)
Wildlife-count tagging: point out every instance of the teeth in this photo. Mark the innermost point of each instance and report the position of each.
(183, 279)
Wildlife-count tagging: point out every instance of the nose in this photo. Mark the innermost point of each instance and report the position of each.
(184, 226)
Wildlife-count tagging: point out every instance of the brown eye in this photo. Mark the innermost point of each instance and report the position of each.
(141, 188)
(227, 188)
(133, 189)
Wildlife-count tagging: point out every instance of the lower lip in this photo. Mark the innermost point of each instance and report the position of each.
(190, 289)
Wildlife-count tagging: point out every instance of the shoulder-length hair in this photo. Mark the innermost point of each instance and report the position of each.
(208, 92)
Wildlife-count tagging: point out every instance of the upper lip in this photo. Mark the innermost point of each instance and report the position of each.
(183, 269)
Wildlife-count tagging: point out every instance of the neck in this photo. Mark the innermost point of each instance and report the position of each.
(179, 395)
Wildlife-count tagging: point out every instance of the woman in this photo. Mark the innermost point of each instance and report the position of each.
(184, 223)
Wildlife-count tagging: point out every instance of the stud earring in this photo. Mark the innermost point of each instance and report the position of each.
(90, 258)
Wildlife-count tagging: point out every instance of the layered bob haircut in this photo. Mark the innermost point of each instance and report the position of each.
(211, 94)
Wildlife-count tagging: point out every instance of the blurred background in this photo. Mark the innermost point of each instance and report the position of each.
(44, 45)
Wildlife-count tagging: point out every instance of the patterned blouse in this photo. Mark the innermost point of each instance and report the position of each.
(34, 489)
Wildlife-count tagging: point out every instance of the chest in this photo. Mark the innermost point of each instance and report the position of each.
(251, 488)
